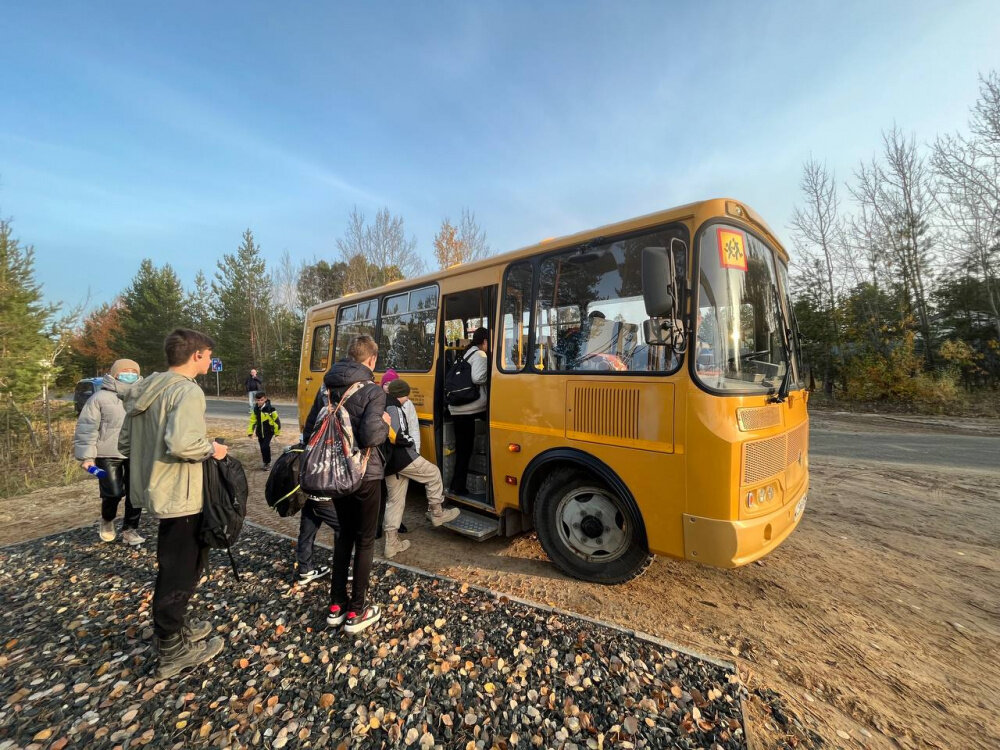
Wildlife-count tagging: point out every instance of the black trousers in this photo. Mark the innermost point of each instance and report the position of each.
(358, 514)
(180, 559)
(113, 487)
(314, 514)
(265, 449)
(465, 440)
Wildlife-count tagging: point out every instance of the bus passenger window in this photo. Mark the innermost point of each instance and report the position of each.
(319, 356)
(590, 310)
(515, 316)
(409, 322)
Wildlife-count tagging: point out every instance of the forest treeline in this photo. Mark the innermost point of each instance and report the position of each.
(253, 309)
(896, 269)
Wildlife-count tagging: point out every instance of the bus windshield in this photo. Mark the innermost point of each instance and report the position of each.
(743, 341)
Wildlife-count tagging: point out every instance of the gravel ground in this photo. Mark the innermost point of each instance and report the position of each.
(448, 666)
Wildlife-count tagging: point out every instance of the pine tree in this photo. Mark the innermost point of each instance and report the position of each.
(153, 306)
(24, 318)
(242, 287)
(198, 305)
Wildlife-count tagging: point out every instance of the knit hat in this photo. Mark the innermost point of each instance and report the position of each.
(398, 388)
(123, 364)
(389, 376)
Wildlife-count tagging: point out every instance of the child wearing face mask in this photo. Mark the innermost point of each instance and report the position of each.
(95, 443)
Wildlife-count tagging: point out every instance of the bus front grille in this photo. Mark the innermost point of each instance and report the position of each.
(758, 417)
(766, 458)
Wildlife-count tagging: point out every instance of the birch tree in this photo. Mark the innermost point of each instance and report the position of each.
(896, 192)
(819, 234)
(377, 253)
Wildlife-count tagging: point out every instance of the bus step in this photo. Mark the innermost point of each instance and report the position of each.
(474, 525)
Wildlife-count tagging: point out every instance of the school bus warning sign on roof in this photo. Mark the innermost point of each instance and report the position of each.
(732, 249)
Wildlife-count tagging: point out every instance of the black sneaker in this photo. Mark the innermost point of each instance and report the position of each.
(358, 622)
(309, 576)
(336, 616)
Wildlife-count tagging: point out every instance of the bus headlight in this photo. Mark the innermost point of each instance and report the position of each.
(751, 498)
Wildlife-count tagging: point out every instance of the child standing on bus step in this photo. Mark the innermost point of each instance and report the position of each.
(266, 425)
(95, 443)
(464, 416)
(404, 463)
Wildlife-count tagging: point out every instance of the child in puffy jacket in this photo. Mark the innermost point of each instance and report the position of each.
(95, 443)
(266, 425)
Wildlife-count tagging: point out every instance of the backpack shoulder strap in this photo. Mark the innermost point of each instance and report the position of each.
(350, 392)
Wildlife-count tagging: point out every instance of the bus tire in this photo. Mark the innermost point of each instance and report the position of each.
(587, 530)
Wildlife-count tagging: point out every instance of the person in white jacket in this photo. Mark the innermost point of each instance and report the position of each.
(464, 416)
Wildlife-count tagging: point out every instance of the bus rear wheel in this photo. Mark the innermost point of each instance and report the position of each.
(587, 530)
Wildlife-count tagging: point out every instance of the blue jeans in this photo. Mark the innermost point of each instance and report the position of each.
(314, 515)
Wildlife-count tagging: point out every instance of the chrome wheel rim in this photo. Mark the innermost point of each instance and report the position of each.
(591, 525)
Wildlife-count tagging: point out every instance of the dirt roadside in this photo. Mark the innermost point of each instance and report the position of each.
(877, 622)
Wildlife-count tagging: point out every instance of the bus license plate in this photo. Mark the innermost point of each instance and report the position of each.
(799, 507)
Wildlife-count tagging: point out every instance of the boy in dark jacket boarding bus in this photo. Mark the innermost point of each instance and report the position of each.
(357, 512)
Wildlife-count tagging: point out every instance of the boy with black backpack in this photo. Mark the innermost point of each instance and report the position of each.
(465, 412)
(357, 512)
(163, 436)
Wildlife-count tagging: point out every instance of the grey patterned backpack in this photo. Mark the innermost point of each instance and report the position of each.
(333, 464)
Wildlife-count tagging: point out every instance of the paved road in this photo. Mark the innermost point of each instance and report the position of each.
(959, 451)
(219, 408)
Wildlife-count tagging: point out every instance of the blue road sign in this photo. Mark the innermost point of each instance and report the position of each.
(216, 364)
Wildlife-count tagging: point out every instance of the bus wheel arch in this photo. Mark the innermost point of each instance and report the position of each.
(586, 518)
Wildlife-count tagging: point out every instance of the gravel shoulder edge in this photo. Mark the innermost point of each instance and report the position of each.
(731, 666)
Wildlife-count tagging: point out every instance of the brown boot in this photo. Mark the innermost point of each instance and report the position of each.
(394, 544)
(178, 653)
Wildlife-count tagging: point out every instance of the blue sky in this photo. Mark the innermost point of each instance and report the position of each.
(129, 130)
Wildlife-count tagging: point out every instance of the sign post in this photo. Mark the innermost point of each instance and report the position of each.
(216, 368)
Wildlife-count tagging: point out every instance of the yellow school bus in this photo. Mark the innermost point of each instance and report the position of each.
(645, 389)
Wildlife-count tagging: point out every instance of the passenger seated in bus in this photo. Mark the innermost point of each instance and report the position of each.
(465, 415)
(404, 463)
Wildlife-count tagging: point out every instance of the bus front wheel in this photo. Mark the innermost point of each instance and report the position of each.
(587, 530)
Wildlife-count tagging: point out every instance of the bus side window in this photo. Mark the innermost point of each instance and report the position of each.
(515, 315)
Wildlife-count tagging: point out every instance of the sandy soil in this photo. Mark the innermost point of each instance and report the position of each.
(877, 623)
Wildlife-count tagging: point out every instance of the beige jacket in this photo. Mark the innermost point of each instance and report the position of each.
(164, 438)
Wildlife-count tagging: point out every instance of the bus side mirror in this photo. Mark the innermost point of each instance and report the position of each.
(657, 331)
(657, 282)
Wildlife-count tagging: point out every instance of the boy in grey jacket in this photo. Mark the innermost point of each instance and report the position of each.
(95, 443)
(164, 437)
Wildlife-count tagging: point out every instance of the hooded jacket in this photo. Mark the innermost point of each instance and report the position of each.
(163, 436)
(365, 408)
(400, 450)
(100, 422)
(264, 421)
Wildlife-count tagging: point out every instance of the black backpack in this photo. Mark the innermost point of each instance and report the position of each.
(458, 386)
(225, 505)
(282, 491)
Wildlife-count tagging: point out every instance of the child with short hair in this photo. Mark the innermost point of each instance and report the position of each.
(266, 425)
(405, 463)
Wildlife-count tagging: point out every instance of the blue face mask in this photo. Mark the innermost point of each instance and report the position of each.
(128, 377)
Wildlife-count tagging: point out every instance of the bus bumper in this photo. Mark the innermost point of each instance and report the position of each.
(730, 544)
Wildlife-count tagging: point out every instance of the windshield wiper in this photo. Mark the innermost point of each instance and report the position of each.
(786, 348)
